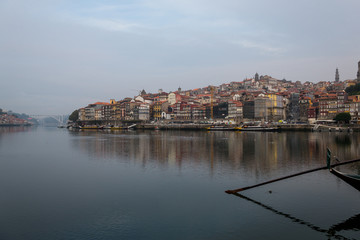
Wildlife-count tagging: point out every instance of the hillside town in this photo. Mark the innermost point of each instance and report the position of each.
(9, 119)
(261, 98)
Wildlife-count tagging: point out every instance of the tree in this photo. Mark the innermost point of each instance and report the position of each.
(343, 117)
(353, 89)
(74, 116)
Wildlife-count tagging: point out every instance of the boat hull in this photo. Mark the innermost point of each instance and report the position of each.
(116, 128)
(221, 129)
(260, 129)
(353, 180)
(90, 127)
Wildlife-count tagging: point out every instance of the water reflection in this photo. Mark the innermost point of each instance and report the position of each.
(352, 223)
(152, 185)
(16, 129)
(5, 130)
(343, 140)
(252, 153)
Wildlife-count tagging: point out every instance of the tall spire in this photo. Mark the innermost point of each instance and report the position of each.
(337, 77)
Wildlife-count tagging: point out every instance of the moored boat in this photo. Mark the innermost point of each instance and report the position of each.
(259, 128)
(116, 128)
(351, 179)
(90, 127)
(221, 128)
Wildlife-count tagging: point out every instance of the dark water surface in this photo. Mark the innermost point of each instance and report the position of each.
(60, 184)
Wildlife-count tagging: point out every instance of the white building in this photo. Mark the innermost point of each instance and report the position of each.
(144, 112)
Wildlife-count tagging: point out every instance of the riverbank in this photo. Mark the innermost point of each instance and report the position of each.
(273, 127)
(161, 126)
(320, 127)
(233, 127)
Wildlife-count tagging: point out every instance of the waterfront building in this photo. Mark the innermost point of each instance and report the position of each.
(107, 112)
(276, 110)
(304, 104)
(249, 110)
(81, 114)
(156, 111)
(117, 111)
(354, 108)
(144, 112)
(262, 106)
(120, 111)
(98, 114)
(312, 114)
(132, 110)
(342, 97)
(90, 110)
(220, 110)
(235, 110)
(183, 111)
(89, 113)
(352, 105)
(166, 115)
(198, 112)
(328, 107)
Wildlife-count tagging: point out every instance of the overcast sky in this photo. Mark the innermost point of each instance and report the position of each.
(60, 55)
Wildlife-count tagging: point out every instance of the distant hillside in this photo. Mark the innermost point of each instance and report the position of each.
(20, 115)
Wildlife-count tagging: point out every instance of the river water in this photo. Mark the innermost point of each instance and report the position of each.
(61, 184)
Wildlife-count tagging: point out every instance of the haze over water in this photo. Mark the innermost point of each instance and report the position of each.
(60, 184)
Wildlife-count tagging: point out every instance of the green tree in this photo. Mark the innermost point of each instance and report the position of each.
(353, 89)
(343, 117)
(74, 116)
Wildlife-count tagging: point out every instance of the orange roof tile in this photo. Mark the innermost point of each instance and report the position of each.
(101, 103)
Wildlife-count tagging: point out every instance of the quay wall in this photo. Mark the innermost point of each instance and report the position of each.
(203, 126)
(193, 127)
(295, 127)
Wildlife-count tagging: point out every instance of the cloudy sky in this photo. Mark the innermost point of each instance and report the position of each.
(60, 55)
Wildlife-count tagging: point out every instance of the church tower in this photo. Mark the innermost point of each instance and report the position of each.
(256, 77)
(358, 72)
(337, 77)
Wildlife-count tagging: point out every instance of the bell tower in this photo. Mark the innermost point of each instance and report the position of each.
(256, 77)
